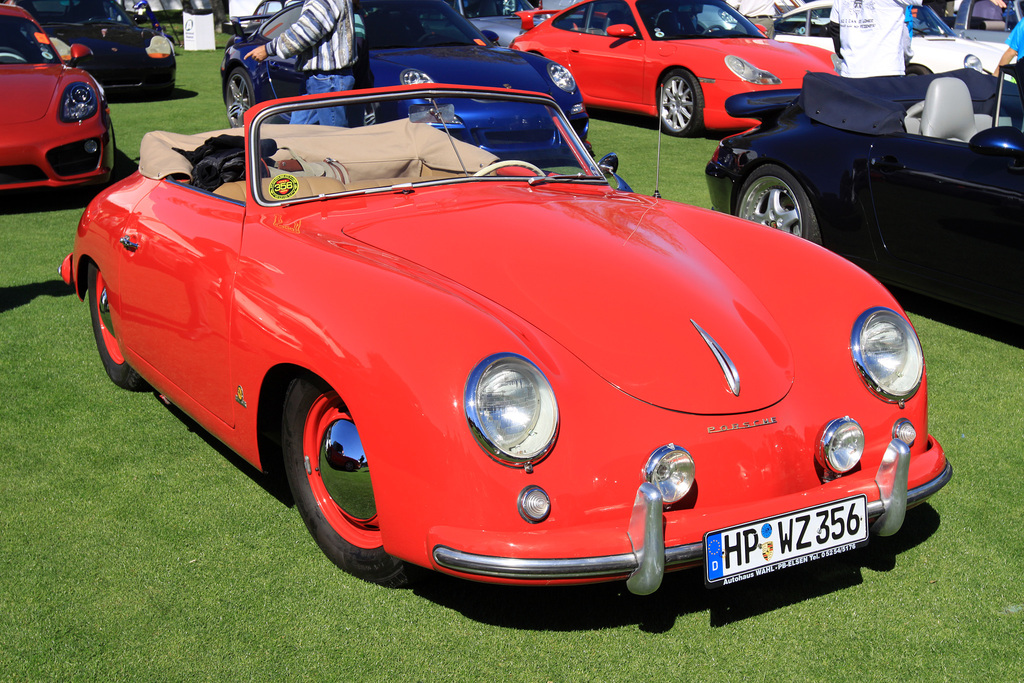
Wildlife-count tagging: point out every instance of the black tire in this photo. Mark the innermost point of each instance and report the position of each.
(336, 503)
(239, 95)
(680, 104)
(918, 70)
(118, 370)
(772, 197)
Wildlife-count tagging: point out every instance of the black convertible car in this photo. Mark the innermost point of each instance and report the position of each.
(919, 180)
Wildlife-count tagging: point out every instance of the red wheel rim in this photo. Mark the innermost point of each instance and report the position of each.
(109, 340)
(325, 410)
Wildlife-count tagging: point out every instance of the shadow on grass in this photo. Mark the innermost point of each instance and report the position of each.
(272, 482)
(645, 122)
(15, 297)
(961, 318)
(610, 605)
(155, 98)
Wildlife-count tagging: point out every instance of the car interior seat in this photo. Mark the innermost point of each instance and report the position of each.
(668, 24)
(947, 111)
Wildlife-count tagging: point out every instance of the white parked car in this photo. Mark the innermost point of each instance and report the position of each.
(936, 48)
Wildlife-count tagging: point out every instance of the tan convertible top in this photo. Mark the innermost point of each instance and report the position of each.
(370, 156)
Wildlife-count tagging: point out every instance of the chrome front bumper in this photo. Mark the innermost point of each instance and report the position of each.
(646, 564)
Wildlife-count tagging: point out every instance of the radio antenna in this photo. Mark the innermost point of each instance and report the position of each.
(657, 167)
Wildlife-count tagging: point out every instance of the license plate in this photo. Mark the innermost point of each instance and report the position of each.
(762, 547)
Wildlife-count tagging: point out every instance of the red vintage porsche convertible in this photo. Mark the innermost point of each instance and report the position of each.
(55, 120)
(679, 58)
(499, 366)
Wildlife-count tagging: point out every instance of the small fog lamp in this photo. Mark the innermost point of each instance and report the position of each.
(671, 469)
(91, 146)
(534, 504)
(904, 431)
(841, 445)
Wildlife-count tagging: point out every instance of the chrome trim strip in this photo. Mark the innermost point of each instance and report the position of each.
(610, 566)
(732, 375)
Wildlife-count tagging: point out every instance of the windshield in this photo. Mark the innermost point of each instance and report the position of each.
(673, 19)
(474, 9)
(928, 23)
(21, 42)
(417, 23)
(394, 141)
(80, 12)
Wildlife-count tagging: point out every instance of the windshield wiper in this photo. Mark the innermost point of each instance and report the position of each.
(563, 178)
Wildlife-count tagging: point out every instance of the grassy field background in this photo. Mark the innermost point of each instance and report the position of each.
(134, 547)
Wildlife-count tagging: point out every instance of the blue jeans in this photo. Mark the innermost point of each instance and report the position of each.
(318, 84)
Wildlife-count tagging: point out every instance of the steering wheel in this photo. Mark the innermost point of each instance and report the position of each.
(491, 168)
(427, 36)
(714, 29)
(11, 57)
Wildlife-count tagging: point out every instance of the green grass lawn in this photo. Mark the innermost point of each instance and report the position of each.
(134, 547)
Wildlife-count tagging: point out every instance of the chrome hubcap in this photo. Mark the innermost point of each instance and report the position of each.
(104, 307)
(344, 470)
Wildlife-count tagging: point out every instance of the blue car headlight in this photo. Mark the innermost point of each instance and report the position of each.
(561, 77)
(78, 103)
(414, 77)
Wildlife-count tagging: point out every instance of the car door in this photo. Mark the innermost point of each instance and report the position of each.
(285, 79)
(607, 68)
(177, 274)
(949, 214)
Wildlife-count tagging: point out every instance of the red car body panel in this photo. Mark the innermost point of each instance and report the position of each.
(33, 128)
(624, 74)
(394, 297)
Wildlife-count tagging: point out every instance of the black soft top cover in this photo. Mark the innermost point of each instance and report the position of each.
(877, 106)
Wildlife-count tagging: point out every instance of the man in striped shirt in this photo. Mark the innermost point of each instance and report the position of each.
(323, 37)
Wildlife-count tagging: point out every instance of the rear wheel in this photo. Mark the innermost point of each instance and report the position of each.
(239, 95)
(118, 370)
(917, 70)
(772, 197)
(330, 481)
(681, 104)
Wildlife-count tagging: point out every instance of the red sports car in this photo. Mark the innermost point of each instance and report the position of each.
(55, 120)
(695, 53)
(500, 367)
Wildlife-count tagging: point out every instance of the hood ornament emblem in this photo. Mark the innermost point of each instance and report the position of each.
(732, 376)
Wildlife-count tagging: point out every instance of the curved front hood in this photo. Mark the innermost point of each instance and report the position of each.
(32, 86)
(107, 41)
(785, 60)
(612, 278)
(465, 65)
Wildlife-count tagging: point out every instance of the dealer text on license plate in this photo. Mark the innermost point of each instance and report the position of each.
(756, 548)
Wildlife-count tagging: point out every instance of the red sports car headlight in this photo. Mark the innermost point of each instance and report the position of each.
(511, 409)
(888, 354)
(78, 103)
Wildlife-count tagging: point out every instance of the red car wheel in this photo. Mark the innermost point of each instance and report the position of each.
(117, 368)
(330, 482)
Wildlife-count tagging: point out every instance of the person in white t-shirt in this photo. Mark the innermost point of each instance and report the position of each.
(873, 37)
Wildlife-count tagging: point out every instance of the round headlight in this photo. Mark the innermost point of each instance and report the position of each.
(750, 73)
(414, 77)
(511, 409)
(841, 445)
(561, 77)
(672, 470)
(887, 353)
(972, 62)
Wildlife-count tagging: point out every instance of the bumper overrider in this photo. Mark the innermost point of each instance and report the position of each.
(646, 564)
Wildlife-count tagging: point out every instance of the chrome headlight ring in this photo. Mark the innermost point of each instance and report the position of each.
(511, 409)
(887, 354)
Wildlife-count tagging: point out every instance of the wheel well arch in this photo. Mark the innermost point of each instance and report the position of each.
(270, 412)
(228, 68)
(82, 275)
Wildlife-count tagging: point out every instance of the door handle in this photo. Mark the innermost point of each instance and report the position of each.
(886, 164)
(128, 244)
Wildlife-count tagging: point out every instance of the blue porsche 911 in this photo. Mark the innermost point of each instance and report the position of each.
(410, 41)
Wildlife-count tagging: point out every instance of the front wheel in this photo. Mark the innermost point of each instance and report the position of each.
(329, 477)
(681, 104)
(239, 95)
(118, 370)
(772, 197)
